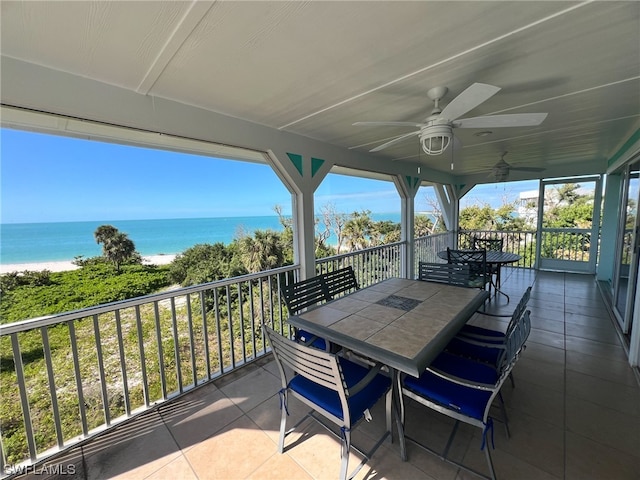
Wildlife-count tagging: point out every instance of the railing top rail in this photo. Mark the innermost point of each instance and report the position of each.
(358, 252)
(47, 320)
(566, 230)
(442, 234)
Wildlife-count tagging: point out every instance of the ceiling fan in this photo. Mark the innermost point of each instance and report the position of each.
(500, 171)
(436, 132)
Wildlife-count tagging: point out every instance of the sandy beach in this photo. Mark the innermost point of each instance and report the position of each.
(68, 265)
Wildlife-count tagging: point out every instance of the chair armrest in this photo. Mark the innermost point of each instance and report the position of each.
(373, 373)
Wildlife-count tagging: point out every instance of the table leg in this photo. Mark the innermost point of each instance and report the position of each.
(498, 283)
(398, 413)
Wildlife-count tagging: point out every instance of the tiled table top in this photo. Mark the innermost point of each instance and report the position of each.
(401, 323)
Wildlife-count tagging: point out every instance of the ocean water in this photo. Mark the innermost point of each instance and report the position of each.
(62, 241)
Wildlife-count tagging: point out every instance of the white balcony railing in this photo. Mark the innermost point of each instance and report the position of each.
(107, 363)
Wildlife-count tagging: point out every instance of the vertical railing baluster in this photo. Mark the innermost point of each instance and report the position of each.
(163, 379)
(230, 319)
(241, 315)
(123, 365)
(24, 400)
(143, 361)
(218, 329)
(52, 384)
(176, 344)
(263, 317)
(3, 453)
(192, 349)
(205, 333)
(253, 317)
(78, 376)
(103, 380)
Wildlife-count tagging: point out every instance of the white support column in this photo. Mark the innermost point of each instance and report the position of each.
(449, 198)
(301, 175)
(407, 187)
(445, 204)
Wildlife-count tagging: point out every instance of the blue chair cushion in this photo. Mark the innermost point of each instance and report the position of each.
(465, 349)
(465, 368)
(330, 401)
(304, 336)
(458, 398)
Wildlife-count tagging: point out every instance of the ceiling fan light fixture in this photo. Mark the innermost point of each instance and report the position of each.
(436, 140)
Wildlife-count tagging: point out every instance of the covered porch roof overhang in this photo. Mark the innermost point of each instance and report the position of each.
(293, 77)
(187, 76)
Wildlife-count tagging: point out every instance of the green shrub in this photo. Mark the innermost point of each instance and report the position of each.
(96, 283)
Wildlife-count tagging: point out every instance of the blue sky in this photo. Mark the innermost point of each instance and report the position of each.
(47, 178)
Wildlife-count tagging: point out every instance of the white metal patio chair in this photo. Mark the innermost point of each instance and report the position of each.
(336, 389)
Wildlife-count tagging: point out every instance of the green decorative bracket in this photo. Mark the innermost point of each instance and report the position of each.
(412, 181)
(316, 163)
(296, 160)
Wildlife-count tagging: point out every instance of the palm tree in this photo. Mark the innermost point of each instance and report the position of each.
(105, 233)
(357, 230)
(263, 251)
(117, 247)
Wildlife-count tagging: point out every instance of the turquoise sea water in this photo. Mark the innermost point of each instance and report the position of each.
(62, 241)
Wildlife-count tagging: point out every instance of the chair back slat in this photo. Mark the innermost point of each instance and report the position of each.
(340, 281)
(305, 293)
(450, 273)
(316, 365)
(514, 343)
(489, 244)
(479, 275)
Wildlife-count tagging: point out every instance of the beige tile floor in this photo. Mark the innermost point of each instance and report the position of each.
(575, 414)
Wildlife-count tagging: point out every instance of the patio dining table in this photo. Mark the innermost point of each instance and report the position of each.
(401, 323)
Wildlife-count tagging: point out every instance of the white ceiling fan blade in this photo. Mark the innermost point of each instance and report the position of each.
(394, 141)
(497, 121)
(468, 100)
(391, 124)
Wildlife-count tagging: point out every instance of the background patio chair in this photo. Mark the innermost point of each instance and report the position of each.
(490, 245)
(304, 294)
(465, 400)
(477, 261)
(449, 273)
(335, 388)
